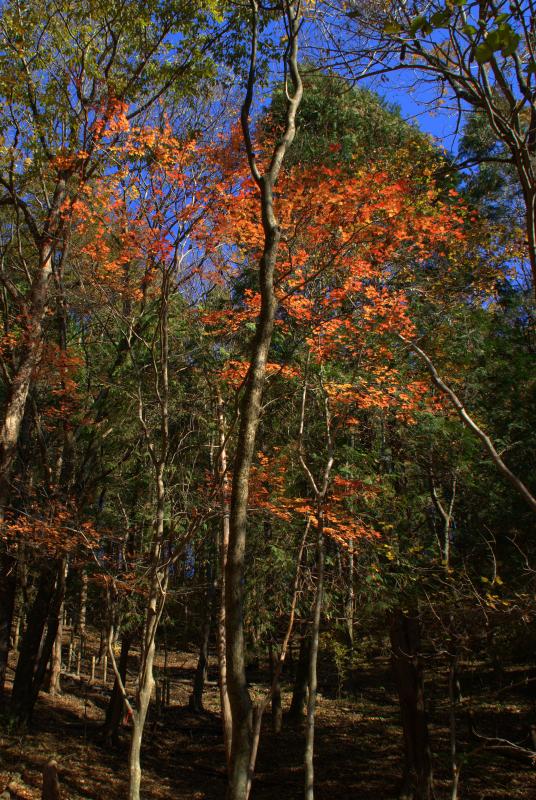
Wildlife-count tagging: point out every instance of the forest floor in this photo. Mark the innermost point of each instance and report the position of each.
(358, 743)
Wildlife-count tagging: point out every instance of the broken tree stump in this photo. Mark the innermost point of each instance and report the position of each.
(51, 784)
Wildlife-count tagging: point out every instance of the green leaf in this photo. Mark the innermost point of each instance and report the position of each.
(469, 30)
(493, 40)
(440, 19)
(510, 43)
(392, 27)
(483, 53)
(417, 24)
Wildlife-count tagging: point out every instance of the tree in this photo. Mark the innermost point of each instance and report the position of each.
(480, 53)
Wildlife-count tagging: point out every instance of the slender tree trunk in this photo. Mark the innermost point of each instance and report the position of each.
(222, 655)
(21, 599)
(17, 396)
(301, 681)
(54, 685)
(277, 710)
(250, 407)
(224, 549)
(82, 608)
(145, 685)
(408, 674)
(313, 659)
(8, 589)
(155, 605)
(114, 710)
(134, 755)
(158, 573)
(453, 698)
(350, 600)
(200, 677)
(145, 688)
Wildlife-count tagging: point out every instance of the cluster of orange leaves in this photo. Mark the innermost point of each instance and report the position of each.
(269, 494)
(235, 372)
(125, 232)
(57, 372)
(343, 240)
(54, 533)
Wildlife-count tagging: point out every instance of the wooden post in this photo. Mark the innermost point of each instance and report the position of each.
(92, 679)
(51, 784)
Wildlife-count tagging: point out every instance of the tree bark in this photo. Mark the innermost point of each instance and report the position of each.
(35, 311)
(54, 684)
(200, 677)
(301, 682)
(37, 644)
(114, 710)
(158, 580)
(409, 679)
(277, 710)
(8, 589)
(82, 609)
(224, 549)
(313, 659)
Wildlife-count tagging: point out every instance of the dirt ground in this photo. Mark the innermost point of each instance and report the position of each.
(358, 743)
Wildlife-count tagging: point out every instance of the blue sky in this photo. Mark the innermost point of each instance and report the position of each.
(418, 105)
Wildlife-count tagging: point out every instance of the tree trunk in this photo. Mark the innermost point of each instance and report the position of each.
(408, 675)
(36, 307)
(37, 645)
(82, 609)
(277, 710)
(453, 699)
(350, 601)
(145, 684)
(54, 685)
(200, 677)
(8, 588)
(134, 757)
(224, 549)
(250, 406)
(158, 581)
(114, 710)
(313, 658)
(301, 681)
